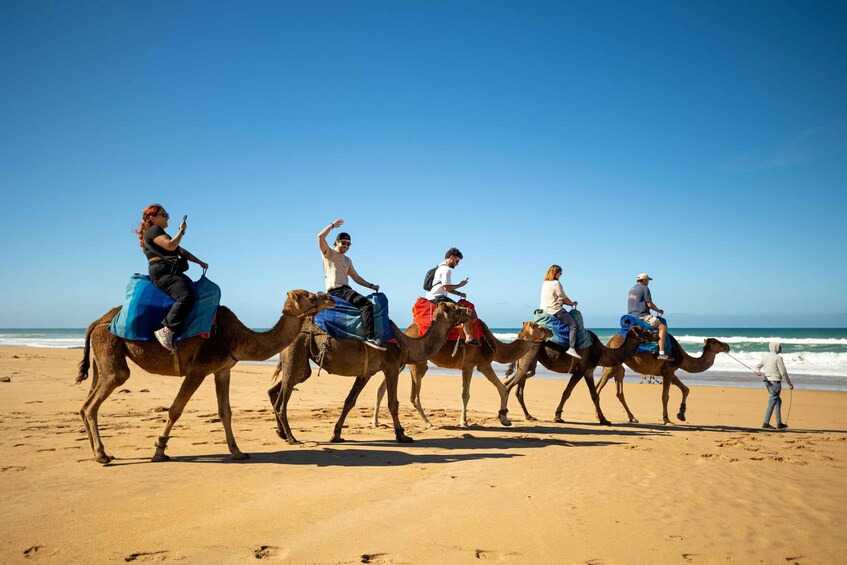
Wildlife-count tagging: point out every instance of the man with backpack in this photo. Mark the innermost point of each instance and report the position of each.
(438, 284)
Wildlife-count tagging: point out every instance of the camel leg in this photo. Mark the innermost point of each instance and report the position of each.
(684, 389)
(489, 373)
(380, 392)
(565, 395)
(666, 385)
(391, 378)
(190, 384)
(294, 368)
(110, 378)
(418, 372)
(619, 374)
(519, 396)
(349, 402)
(467, 373)
(276, 402)
(589, 380)
(225, 413)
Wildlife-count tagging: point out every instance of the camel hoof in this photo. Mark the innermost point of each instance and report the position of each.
(681, 416)
(103, 459)
(337, 439)
(667, 422)
(292, 441)
(404, 439)
(159, 458)
(633, 421)
(240, 456)
(559, 421)
(531, 418)
(605, 422)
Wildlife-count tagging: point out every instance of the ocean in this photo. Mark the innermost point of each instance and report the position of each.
(816, 358)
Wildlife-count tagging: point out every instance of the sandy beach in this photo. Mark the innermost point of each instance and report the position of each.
(715, 489)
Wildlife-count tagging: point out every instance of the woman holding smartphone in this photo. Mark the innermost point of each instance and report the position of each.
(167, 263)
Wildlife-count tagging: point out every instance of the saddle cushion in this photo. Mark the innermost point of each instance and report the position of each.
(146, 306)
(422, 313)
(628, 321)
(561, 332)
(344, 321)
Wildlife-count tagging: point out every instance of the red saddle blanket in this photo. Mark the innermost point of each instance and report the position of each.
(422, 313)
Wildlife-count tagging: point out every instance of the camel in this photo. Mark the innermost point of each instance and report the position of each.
(553, 357)
(458, 355)
(648, 363)
(352, 358)
(194, 358)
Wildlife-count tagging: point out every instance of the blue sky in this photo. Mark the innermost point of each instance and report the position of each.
(704, 143)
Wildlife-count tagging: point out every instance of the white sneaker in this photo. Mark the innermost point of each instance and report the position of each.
(375, 343)
(165, 338)
(572, 352)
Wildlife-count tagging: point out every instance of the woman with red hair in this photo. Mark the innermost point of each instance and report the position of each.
(167, 263)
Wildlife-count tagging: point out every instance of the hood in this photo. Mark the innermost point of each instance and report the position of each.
(773, 346)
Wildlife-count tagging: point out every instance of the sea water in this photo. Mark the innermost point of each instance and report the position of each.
(815, 358)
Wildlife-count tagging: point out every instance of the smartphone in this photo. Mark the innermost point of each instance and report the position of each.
(185, 217)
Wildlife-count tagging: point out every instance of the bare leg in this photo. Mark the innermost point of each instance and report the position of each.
(485, 369)
(189, 386)
(349, 402)
(225, 413)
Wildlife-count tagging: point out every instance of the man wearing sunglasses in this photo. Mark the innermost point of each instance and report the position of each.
(338, 269)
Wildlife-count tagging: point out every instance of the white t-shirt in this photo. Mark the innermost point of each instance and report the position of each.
(552, 296)
(442, 277)
(337, 268)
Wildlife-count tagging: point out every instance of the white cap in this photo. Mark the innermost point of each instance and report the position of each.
(644, 276)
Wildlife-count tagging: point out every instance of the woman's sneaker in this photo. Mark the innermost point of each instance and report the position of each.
(375, 343)
(573, 353)
(165, 338)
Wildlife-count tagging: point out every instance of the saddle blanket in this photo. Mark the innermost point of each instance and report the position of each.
(561, 332)
(422, 313)
(344, 321)
(146, 306)
(628, 321)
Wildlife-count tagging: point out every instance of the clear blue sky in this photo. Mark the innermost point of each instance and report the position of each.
(702, 142)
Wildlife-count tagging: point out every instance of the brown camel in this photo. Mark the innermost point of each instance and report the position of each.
(195, 357)
(647, 363)
(458, 355)
(352, 358)
(553, 357)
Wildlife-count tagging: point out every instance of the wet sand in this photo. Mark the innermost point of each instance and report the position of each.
(715, 489)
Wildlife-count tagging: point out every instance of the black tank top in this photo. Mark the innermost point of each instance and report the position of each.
(152, 233)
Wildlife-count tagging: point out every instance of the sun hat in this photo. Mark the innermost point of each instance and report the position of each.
(643, 276)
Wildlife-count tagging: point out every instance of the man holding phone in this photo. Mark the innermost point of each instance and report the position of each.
(442, 285)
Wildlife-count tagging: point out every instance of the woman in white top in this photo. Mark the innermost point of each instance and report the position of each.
(552, 298)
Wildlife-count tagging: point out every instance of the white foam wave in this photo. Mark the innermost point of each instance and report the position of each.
(765, 340)
(58, 343)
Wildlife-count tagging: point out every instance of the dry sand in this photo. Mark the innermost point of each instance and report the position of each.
(713, 490)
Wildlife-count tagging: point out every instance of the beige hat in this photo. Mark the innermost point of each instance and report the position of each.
(643, 276)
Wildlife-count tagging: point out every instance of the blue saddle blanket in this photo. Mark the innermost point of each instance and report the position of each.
(628, 321)
(561, 332)
(146, 306)
(344, 321)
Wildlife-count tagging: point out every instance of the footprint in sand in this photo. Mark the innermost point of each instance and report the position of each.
(13, 468)
(373, 558)
(265, 552)
(148, 556)
(31, 551)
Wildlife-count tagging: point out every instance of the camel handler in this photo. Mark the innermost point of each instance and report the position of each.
(774, 374)
(337, 268)
(441, 285)
(640, 303)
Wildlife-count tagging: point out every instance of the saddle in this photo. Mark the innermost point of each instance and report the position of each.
(561, 332)
(422, 313)
(627, 321)
(344, 321)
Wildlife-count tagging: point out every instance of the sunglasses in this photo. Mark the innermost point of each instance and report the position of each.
(165, 214)
(344, 242)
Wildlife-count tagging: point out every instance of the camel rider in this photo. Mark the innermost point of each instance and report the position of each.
(166, 273)
(640, 303)
(441, 285)
(553, 297)
(337, 268)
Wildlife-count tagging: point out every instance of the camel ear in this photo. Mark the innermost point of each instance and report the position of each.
(705, 341)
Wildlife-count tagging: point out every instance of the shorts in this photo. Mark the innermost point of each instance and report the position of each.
(652, 320)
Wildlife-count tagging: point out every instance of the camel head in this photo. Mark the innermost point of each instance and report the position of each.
(453, 313)
(715, 346)
(534, 332)
(643, 335)
(302, 303)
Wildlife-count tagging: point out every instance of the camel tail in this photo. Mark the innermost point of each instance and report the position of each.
(85, 364)
(511, 368)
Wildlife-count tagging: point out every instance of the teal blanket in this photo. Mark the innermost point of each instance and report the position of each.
(561, 332)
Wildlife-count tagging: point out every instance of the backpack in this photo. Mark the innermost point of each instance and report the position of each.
(428, 278)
